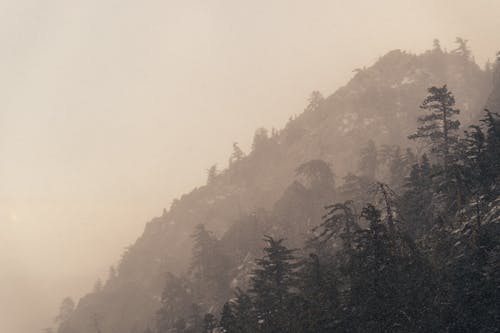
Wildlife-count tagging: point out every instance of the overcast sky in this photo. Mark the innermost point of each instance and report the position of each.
(109, 109)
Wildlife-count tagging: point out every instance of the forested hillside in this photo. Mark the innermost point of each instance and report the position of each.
(406, 162)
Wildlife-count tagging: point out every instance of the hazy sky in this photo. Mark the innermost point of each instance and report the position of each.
(111, 108)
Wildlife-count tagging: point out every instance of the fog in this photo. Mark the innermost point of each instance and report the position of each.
(111, 109)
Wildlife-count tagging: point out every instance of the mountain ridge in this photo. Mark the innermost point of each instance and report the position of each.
(330, 129)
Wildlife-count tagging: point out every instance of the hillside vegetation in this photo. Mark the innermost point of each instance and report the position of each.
(409, 240)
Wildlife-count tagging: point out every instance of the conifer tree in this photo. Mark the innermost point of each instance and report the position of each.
(319, 295)
(438, 128)
(239, 315)
(202, 261)
(227, 318)
(436, 45)
(462, 49)
(176, 301)
(260, 138)
(237, 154)
(385, 197)
(340, 220)
(271, 286)
(65, 310)
(416, 201)
(315, 101)
(391, 284)
(209, 265)
(212, 174)
(474, 168)
(491, 122)
(111, 275)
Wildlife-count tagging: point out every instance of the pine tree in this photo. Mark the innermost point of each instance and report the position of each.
(227, 319)
(385, 198)
(111, 275)
(391, 285)
(315, 100)
(239, 315)
(237, 154)
(468, 256)
(209, 266)
(202, 255)
(341, 221)
(438, 127)
(491, 122)
(319, 295)
(212, 174)
(475, 168)
(436, 45)
(462, 49)
(65, 310)
(260, 139)
(176, 301)
(410, 158)
(416, 201)
(271, 286)
(480, 164)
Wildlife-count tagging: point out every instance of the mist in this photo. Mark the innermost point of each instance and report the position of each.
(109, 110)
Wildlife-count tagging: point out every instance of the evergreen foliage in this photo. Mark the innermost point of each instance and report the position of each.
(411, 243)
(438, 127)
(272, 286)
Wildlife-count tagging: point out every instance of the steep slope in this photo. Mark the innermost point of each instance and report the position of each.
(380, 103)
(493, 103)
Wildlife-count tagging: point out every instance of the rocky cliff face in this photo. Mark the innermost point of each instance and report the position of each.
(380, 102)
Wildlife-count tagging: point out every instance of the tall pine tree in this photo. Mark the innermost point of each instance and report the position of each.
(272, 286)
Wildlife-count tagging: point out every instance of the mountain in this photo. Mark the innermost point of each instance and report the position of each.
(261, 192)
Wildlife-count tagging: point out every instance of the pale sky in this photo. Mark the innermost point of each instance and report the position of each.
(109, 109)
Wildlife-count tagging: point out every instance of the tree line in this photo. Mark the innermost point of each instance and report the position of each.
(419, 253)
